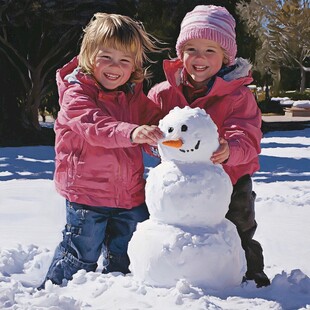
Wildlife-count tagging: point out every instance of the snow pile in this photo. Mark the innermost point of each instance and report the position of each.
(286, 101)
(302, 104)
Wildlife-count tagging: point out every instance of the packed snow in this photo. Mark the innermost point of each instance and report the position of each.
(32, 216)
(188, 197)
(302, 104)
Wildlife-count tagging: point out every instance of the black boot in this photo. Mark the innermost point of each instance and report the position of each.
(260, 278)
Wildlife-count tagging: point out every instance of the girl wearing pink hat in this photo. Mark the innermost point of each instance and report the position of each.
(207, 75)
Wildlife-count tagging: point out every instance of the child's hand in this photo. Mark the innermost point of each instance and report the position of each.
(222, 153)
(146, 134)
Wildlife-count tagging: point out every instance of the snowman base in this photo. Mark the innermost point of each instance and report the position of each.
(162, 254)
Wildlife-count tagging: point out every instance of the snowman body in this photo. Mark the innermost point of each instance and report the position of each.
(173, 184)
(187, 235)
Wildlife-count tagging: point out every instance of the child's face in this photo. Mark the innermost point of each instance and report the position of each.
(202, 59)
(113, 68)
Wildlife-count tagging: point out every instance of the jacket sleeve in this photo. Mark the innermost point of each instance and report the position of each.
(242, 129)
(80, 114)
(150, 112)
(152, 95)
(157, 93)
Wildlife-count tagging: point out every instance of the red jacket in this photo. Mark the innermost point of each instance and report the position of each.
(96, 164)
(232, 107)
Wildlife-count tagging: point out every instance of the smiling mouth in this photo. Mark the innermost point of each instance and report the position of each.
(200, 68)
(111, 76)
(191, 150)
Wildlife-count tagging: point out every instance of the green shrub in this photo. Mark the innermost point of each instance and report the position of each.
(297, 95)
(268, 106)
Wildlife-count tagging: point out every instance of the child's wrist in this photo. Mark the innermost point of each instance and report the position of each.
(131, 134)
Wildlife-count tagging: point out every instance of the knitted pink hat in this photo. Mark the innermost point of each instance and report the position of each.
(209, 22)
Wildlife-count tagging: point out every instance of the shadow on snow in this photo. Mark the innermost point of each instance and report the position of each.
(31, 162)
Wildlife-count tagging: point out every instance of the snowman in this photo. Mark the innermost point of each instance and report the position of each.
(187, 235)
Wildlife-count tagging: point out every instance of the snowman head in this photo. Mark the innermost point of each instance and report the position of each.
(190, 135)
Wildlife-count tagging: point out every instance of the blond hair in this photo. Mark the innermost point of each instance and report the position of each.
(121, 33)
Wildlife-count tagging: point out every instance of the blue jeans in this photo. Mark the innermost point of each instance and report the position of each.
(87, 232)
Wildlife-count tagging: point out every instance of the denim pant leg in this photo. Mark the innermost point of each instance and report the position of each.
(242, 213)
(120, 229)
(83, 237)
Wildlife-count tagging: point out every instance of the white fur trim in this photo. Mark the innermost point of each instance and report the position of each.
(243, 66)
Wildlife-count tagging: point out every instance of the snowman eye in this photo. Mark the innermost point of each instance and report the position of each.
(184, 128)
(170, 129)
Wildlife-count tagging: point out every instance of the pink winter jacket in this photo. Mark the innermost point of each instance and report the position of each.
(232, 107)
(96, 163)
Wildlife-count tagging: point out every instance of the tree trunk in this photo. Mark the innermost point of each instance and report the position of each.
(302, 80)
(34, 99)
(276, 74)
(31, 117)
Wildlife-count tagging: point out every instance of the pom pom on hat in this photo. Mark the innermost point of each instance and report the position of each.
(212, 23)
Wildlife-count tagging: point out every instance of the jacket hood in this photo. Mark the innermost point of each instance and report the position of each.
(68, 73)
(228, 78)
(71, 74)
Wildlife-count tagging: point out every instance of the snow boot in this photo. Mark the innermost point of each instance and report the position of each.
(260, 278)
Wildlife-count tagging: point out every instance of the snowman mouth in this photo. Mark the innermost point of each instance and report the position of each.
(196, 147)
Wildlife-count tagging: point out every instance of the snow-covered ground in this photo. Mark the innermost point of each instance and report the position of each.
(32, 215)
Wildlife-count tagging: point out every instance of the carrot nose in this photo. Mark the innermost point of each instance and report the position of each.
(173, 143)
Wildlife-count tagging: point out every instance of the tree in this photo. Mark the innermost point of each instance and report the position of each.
(282, 29)
(36, 38)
